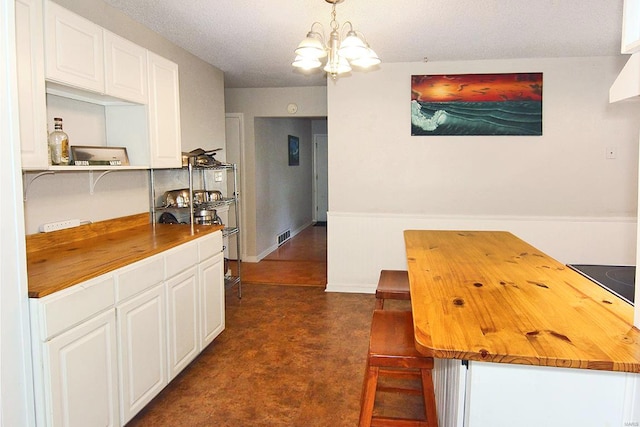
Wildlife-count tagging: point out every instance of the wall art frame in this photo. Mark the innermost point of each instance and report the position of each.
(476, 104)
(294, 150)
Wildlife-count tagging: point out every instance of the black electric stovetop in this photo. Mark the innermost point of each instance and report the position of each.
(618, 279)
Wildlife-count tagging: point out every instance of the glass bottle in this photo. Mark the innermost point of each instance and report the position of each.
(59, 144)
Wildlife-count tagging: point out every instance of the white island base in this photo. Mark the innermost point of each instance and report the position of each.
(506, 395)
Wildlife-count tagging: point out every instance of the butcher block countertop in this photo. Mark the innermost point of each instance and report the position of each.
(489, 296)
(64, 258)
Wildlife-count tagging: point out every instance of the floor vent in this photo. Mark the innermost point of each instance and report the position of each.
(284, 236)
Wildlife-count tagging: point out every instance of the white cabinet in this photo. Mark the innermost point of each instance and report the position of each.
(631, 26)
(68, 56)
(182, 320)
(164, 113)
(142, 345)
(104, 348)
(125, 69)
(142, 350)
(31, 91)
(211, 277)
(82, 374)
(74, 49)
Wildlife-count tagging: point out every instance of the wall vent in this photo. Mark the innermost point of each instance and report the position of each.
(284, 236)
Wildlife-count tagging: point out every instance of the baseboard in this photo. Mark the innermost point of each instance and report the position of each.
(351, 288)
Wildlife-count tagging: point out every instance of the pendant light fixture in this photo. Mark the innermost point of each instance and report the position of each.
(340, 52)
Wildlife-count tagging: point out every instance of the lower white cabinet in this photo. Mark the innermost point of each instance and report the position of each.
(83, 374)
(211, 276)
(104, 348)
(182, 316)
(142, 350)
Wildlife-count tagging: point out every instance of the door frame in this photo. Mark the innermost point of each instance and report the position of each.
(241, 181)
(315, 173)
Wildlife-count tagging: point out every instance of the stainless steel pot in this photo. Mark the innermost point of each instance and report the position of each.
(177, 198)
(204, 196)
(206, 217)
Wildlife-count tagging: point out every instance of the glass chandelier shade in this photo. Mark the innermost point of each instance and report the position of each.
(341, 52)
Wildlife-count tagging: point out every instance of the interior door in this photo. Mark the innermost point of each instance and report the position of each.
(321, 185)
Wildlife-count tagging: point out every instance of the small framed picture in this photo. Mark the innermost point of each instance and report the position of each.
(294, 151)
(82, 155)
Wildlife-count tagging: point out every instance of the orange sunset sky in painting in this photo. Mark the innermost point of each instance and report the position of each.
(477, 87)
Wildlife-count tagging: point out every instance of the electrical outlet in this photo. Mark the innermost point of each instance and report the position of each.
(60, 225)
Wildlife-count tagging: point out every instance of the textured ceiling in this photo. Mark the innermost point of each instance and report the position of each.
(252, 41)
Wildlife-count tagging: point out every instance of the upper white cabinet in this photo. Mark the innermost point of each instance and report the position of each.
(164, 113)
(631, 26)
(31, 92)
(74, 49)
(125, 69)
(63, 55)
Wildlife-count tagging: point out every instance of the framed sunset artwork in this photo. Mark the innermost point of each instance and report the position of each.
(476, 104)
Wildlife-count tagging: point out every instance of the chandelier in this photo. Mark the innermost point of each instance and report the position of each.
(340, 52)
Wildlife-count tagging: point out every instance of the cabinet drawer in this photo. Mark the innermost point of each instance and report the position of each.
(137, 277)
(180, 258)
(210, 245)
(64, 309)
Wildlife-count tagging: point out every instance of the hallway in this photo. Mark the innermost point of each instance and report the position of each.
(300, 261)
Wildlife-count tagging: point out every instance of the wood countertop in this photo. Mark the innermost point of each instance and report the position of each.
(65, 258)
(489, 296)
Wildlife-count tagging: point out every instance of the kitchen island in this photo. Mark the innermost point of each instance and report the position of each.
(519, 338)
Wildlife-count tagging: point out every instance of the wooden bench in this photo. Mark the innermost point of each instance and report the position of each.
(392, 353)
(393, 284)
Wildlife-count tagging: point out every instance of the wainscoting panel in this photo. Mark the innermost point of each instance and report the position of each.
(359, 245)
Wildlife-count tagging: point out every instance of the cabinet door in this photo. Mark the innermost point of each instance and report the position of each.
(142, 350)
(31, 92)
(82, 364)
(211, 276)
(164, 113)
(125, 69)
(74, 49)
(182, 320)
(631, 26)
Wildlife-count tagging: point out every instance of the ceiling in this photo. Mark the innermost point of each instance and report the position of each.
(253, 41)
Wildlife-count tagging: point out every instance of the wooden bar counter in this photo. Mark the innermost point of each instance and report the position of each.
(508, 326)
(61, 259)
(489, 296)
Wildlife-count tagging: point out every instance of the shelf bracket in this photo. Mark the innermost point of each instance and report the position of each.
(25, 190)
(92, 183)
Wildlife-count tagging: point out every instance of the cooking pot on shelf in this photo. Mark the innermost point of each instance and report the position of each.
(177, 198)
(206, 217)
(205, 196)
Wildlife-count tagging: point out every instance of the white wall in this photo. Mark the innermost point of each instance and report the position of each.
(284, 192)
(266, 102)
(558, 190)
(66, 195)
(16, 386)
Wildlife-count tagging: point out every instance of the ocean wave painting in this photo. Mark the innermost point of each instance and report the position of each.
(476, 104)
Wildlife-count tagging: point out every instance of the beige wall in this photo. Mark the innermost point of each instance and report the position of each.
(558, 190)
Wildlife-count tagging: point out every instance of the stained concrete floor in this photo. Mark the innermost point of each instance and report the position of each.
(289, 356)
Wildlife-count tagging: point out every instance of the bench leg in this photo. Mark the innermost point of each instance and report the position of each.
(368, 395)
(429, 397)
(379, 303)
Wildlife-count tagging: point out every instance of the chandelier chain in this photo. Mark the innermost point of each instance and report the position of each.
(334, 23)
